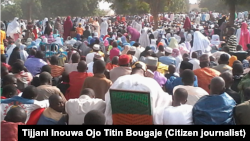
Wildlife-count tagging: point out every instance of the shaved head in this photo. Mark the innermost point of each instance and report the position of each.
(16, 114)
(217, 86)
(228, 78)
(82, 66)
(115, 60)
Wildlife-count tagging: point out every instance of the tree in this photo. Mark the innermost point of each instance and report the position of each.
(129, 7)
(10, 11)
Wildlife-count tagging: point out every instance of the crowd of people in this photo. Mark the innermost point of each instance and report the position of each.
(60, 71)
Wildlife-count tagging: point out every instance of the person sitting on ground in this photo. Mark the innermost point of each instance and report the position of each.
(176, 81)
(223, 64)
(70, 67)
(36, 82)
(35, 64)
(94, 117)
(76, 80)
(45, 90)
(64, 84)
(179, 113)
(216, 108)
(53, 115)
(27, 100)
(9, 91)
(123, 69)
(171, 72)
(56, 71)
(86, 102)
(212, 62)
(228, 78)
(151, 63)
(205, 74)
(241, 112)
(194, 93)
(91, 64)
(14, 117)
(10, 80)
(98, 78)
(23, 78)
(195, 61)
(237, 75)
(113, 63)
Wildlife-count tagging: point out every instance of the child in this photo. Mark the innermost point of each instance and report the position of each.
(179, 113)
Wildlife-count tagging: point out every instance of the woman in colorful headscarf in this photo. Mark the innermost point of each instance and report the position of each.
(67, 26)
(187, 24)
(58, 26)
(173, 43)
(178, 57)
(243, 36)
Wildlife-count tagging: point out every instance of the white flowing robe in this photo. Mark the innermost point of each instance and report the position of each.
(44, 23)
(104, 28)
(139, 83)
(13, 28)
(144, 39)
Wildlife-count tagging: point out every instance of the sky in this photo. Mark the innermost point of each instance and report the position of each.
(105, 5)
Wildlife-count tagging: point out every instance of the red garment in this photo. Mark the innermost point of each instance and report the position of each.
(244, 36)
(110, 66)
(67, 27)
(9, 131)
(34, 116)
(2, 97)
(187, 24)
(35, 33)
(7, 66)
(76, 80)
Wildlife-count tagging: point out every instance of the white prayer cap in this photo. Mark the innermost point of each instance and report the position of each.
(96, 47)
(151, 61)
(132, 48)
(169, 50)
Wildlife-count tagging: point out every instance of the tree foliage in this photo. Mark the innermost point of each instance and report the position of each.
(38, 9)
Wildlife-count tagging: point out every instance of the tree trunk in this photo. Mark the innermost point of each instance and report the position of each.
(30, 11)
(232, 14)
(156, 18)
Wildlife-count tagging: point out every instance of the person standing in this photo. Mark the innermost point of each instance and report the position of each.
(67, 26)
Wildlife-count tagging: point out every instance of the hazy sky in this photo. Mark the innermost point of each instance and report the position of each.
(105, 5)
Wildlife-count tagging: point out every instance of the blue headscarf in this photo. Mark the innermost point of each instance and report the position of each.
(132, 43)
(101, 38)
(89, 39)
(124, 40)
(119, 47)
(33, 44)
(126, 44)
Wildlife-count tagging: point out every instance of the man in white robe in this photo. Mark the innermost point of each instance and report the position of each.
(144, 39)
(13, 28)
(104, 27)
(137, 82)
(78, 108)
(179, 113)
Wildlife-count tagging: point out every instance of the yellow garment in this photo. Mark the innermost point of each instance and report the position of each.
(2, 36)
(232, 60)
(162, 68)
(101, 53)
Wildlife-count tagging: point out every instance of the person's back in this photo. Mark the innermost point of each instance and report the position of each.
(77, 108)
(76, 80)
(216, 108)
(45, 90)
(168, 59)
(179, 113)
(70, 67)
(194, 93)
(100, 78)
(223, 64)
(26, 101)
(9, 125)
(34, 65)
(123, 69)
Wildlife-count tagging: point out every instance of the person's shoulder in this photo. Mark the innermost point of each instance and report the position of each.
(243, 105)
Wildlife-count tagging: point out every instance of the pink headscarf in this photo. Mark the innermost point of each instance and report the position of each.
(176, 52)
(245, 36)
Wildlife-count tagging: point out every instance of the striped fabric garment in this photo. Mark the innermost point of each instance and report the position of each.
(232, 43)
